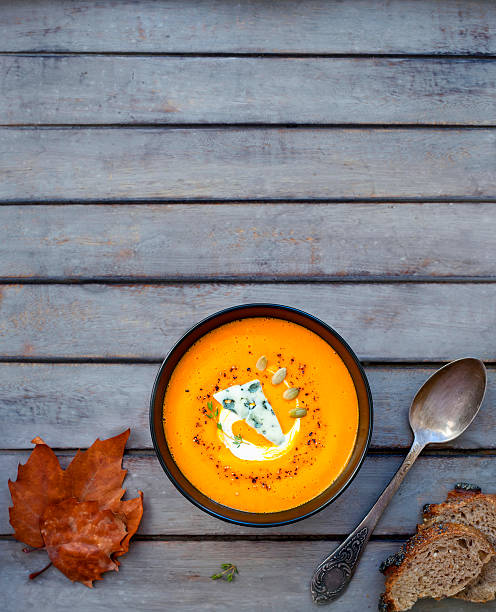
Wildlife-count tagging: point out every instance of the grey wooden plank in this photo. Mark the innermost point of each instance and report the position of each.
(263, 242)
(393, 389)
(311, 26)
(273, 576)
(63, 402)
(410, 321)
(58, 89)
(177, 163)
(168, 513)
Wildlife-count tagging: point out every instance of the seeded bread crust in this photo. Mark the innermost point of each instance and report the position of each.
(397, 566)
(467, 505)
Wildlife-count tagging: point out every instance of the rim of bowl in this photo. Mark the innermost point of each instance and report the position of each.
(191, 498)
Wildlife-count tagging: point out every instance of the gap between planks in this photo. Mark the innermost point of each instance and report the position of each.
(246, 126)
(251, 55)
(236, 279)
(398, 364)
(6, 537)
(229, 201)
(375, 452)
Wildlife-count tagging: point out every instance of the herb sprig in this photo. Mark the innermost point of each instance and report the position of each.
(211, 414)
(238, 440)
(214, 414)
(228, 572)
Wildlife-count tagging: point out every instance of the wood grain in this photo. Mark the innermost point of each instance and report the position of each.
(175, 575)
(276, 241)
(58, 89)
(167, 512)
(311, 26)
(176, 163)
(63, 403)
(189, 246)
(413, 322)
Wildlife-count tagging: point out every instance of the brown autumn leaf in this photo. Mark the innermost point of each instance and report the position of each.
(40, 482)
(103, 459)
(96, 474)
(43, 509)
(80, 538)
(132, 509)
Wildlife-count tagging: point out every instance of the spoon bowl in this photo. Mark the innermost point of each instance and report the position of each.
(448, 401)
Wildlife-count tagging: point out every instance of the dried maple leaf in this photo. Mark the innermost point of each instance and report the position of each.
(96, 474)
(132, 509)
(80, 538)
(40, 482)
(103, 460)
(49, 508)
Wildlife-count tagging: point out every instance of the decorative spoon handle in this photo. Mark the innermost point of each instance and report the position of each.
(335, 572)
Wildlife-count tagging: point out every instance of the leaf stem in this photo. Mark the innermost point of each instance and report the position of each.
(35, 574)
(29, 549)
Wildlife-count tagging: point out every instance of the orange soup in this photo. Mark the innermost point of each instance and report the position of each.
(226, 456)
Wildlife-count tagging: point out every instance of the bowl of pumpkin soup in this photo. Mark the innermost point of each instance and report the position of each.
(261, 415)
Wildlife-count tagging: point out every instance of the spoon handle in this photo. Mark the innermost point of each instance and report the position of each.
(335, 572)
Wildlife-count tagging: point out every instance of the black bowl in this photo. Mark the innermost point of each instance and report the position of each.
(269, 519)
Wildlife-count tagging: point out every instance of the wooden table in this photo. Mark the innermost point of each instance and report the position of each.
(162, 160)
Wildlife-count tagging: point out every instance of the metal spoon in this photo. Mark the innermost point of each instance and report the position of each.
(442, 410)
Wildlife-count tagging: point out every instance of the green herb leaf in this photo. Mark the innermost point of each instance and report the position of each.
(219, 426)
(238, 440)
(211, 414)
(229, 570)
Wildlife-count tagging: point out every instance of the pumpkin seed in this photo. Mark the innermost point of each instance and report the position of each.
(279, 376)
(261, 363)
(297, 413)
(290, 394)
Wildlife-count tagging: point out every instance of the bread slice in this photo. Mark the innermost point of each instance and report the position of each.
(467, 505)
(438, 562)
